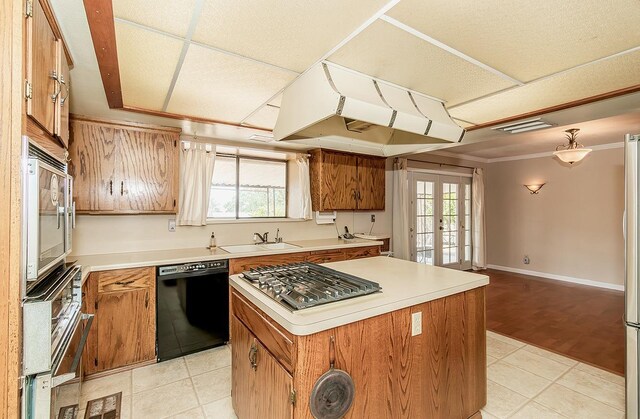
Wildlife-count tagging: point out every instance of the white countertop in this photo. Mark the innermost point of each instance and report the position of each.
(403, 283)
(106, 262)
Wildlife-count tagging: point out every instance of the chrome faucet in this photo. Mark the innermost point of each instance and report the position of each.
(262, 237)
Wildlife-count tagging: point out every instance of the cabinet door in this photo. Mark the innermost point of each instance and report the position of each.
(41, 66)
(62, 103)
(148, 169)
(126, 328)
(275, 403)
(339, 181)
(242, 374)
(89, 304)
(371, 183)
(92, 152)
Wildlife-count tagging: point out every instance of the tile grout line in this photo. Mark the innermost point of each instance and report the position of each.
(586, 395)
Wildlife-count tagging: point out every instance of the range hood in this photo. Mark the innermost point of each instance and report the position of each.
(335, 108)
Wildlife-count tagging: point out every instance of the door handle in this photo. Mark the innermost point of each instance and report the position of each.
(121, 188)
(253, 356)
(111, 187)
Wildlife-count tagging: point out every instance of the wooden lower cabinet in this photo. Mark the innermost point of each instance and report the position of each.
(124, 327)
(438, 374)
(265, 390)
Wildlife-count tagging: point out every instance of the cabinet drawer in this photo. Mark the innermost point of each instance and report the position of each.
(362, 252)
(125, 279)
(278, 341)
(240, 265)
(325, 256)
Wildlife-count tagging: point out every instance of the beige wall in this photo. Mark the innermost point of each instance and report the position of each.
(126, 233)
(572, 228)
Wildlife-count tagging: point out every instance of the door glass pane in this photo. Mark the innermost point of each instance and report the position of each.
(467, 223)
(424, 222)
(450, 223)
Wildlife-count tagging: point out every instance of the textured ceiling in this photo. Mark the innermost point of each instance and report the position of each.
(227, 59)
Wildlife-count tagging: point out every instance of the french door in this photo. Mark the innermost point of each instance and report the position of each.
(440, 227)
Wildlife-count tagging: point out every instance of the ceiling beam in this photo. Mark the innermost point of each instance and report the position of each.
(103, 33)
(560, 107)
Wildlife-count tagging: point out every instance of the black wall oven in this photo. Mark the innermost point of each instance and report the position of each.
(192, 308)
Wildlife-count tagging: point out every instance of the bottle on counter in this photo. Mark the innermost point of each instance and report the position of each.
(212, 243)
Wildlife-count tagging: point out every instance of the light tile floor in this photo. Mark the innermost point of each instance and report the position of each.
(195, 386)
(523, 382)
(528, 382)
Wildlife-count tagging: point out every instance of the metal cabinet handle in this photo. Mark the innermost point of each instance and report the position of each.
(146, 300)
(253, 356)
(124, 282)
(121, 188)
(111, 187)
(56, 78)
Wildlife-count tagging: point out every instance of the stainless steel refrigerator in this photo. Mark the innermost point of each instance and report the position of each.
(632, 293)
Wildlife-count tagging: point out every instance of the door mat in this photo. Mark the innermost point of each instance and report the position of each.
(104, 408)
(68, 412)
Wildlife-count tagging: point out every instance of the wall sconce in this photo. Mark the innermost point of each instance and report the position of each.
(534, 188)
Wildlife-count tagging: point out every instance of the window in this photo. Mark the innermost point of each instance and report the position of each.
(248, 187)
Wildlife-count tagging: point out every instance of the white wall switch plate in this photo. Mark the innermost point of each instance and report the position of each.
(416, 323)
(172, 225)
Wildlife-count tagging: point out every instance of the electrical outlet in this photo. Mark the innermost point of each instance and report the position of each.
(526, 260)
(416, 323)
(172, 225)
(373, 218)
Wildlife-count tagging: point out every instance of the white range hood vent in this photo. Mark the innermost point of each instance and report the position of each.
(340, 109)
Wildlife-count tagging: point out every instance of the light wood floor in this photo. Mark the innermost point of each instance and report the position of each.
(581, 322)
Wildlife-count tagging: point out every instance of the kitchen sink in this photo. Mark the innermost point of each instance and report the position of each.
(249, 248)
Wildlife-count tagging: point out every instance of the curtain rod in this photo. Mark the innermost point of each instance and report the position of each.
(442, 164)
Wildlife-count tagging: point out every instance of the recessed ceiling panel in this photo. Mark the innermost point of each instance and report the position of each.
(290, 34)
(527, 39)
(388, 53)
(223, 87)
(169, 16)
(147, 62)
(266, 117)
(602, 77)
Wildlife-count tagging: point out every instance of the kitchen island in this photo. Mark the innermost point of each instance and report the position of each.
(416, 350)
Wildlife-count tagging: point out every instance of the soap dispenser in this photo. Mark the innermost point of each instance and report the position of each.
(212, 243)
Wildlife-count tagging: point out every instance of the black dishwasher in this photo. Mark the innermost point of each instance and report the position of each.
(192, 307)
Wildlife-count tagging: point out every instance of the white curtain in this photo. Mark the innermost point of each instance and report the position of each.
(300, 190)
(479, 239)
(400, 210)
(196, 173)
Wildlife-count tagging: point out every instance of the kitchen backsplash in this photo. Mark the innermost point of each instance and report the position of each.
(97, 234)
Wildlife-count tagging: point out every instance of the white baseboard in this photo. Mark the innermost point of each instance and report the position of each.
(559, 277)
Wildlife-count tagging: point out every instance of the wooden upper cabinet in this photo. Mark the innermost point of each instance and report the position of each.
(120, 169)
(42, 88)
(371, 182)
(92, 155)
(344, 181)
(148, 170)
(61, 126)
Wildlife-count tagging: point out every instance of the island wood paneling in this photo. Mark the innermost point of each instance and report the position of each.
(244, 404)
(270, 375)
(278, 340)
(92, 164)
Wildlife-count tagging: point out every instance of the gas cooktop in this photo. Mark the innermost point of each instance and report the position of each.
(303, 285)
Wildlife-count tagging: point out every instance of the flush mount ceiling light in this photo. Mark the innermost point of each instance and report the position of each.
(574, 151)
(534, 188)
(263, 138)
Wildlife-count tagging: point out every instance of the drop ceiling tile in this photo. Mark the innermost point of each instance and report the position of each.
(266, 117)
(594, 79)
(290, 34)
(147, 62)
(169, 16)
(388, 53)
(527, 39)
(223, 87)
